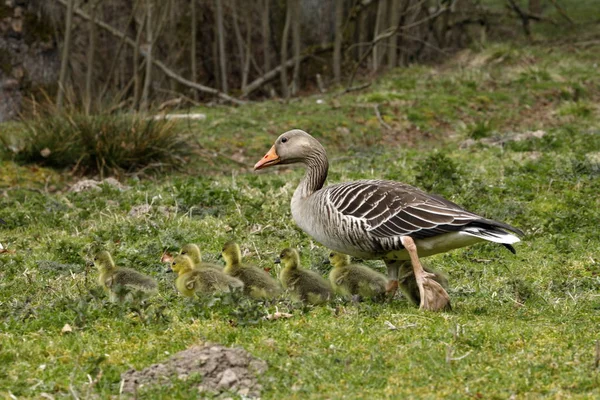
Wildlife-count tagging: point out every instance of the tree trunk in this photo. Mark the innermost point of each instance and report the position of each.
(193, 65)
(150, 44)
(284, 49)
(248, 57)
(337, 45)
(221, 41)
(266, 35)
(64, 62)
(239, 39)
(296, 46)
(166, 70)
(393, 41)
(137, 77)
(363, 32)
(380, 26)
(89, 76)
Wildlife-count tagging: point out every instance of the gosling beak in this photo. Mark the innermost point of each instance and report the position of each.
(271, 158)
(169, 270)
(277, 260)
(89, 264)
(326, 262)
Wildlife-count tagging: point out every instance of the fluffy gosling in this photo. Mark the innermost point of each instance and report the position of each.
(193, 251)
(191, 280)
(122, 283)
(356, 280)
(257, 282)
(308, 286)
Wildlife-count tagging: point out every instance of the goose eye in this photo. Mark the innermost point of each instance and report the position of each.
(284, 139)
(330, 254)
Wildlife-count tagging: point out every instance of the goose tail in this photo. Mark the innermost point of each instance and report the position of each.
(493, 231)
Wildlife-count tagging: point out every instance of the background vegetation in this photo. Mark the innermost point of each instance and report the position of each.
(523, 326)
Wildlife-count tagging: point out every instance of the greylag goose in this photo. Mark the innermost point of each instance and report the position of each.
(193, 251)
(307, 285)
(257, 282)
(381, 219)
(199, 279)
(122, 283)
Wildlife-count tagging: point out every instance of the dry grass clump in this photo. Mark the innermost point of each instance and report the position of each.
(105, 144)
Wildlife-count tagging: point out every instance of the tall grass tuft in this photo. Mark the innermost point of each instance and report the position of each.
(105, 144)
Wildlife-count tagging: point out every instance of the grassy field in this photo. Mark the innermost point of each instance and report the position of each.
(523, 326)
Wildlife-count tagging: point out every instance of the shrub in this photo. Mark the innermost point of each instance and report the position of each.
(105, 144)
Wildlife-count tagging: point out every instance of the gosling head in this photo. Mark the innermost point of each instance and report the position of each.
(193, 252)
(182, 264)
(338, 259)
(103, 261)
(289, 258)
(295, 146)
(231, 253)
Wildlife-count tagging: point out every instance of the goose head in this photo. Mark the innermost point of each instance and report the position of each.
(103, 261)
(182, 264)
(338, 260)
(295, 146)
(289, 258)
(231, 253)
(192, 251)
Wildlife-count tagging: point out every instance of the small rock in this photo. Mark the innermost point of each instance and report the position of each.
(91, 184)
(138, 211)
(343, 130)
(229, 378)
(115, 183)
(66, 329)
(467, 143)
(528, 135)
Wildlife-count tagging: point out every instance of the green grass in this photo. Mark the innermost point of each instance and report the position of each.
(522, 325)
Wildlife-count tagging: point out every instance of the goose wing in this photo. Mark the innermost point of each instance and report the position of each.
(388, 208)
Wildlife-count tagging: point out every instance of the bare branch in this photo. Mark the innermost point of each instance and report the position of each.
(272, 74)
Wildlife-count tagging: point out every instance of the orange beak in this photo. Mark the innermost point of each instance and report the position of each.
(271, 158)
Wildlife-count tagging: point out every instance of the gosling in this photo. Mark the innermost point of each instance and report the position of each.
(192, 280)
(258, 283)
(308, 286)
(356, 280)
(193, 251)
(122, 283)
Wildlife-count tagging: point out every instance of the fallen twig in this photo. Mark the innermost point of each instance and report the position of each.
(353, 89)
(381, 121)
(393, 327)
(562, 11)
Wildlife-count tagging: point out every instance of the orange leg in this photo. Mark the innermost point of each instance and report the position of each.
(433, 296)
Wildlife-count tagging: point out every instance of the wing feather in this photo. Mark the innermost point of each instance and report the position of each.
(390, 209)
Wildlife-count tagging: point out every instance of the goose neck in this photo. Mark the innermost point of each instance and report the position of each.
(317, 167)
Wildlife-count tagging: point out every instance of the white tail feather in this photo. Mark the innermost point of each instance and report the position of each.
(496, 236)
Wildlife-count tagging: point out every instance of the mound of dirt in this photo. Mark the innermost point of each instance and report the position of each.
(223, 369)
